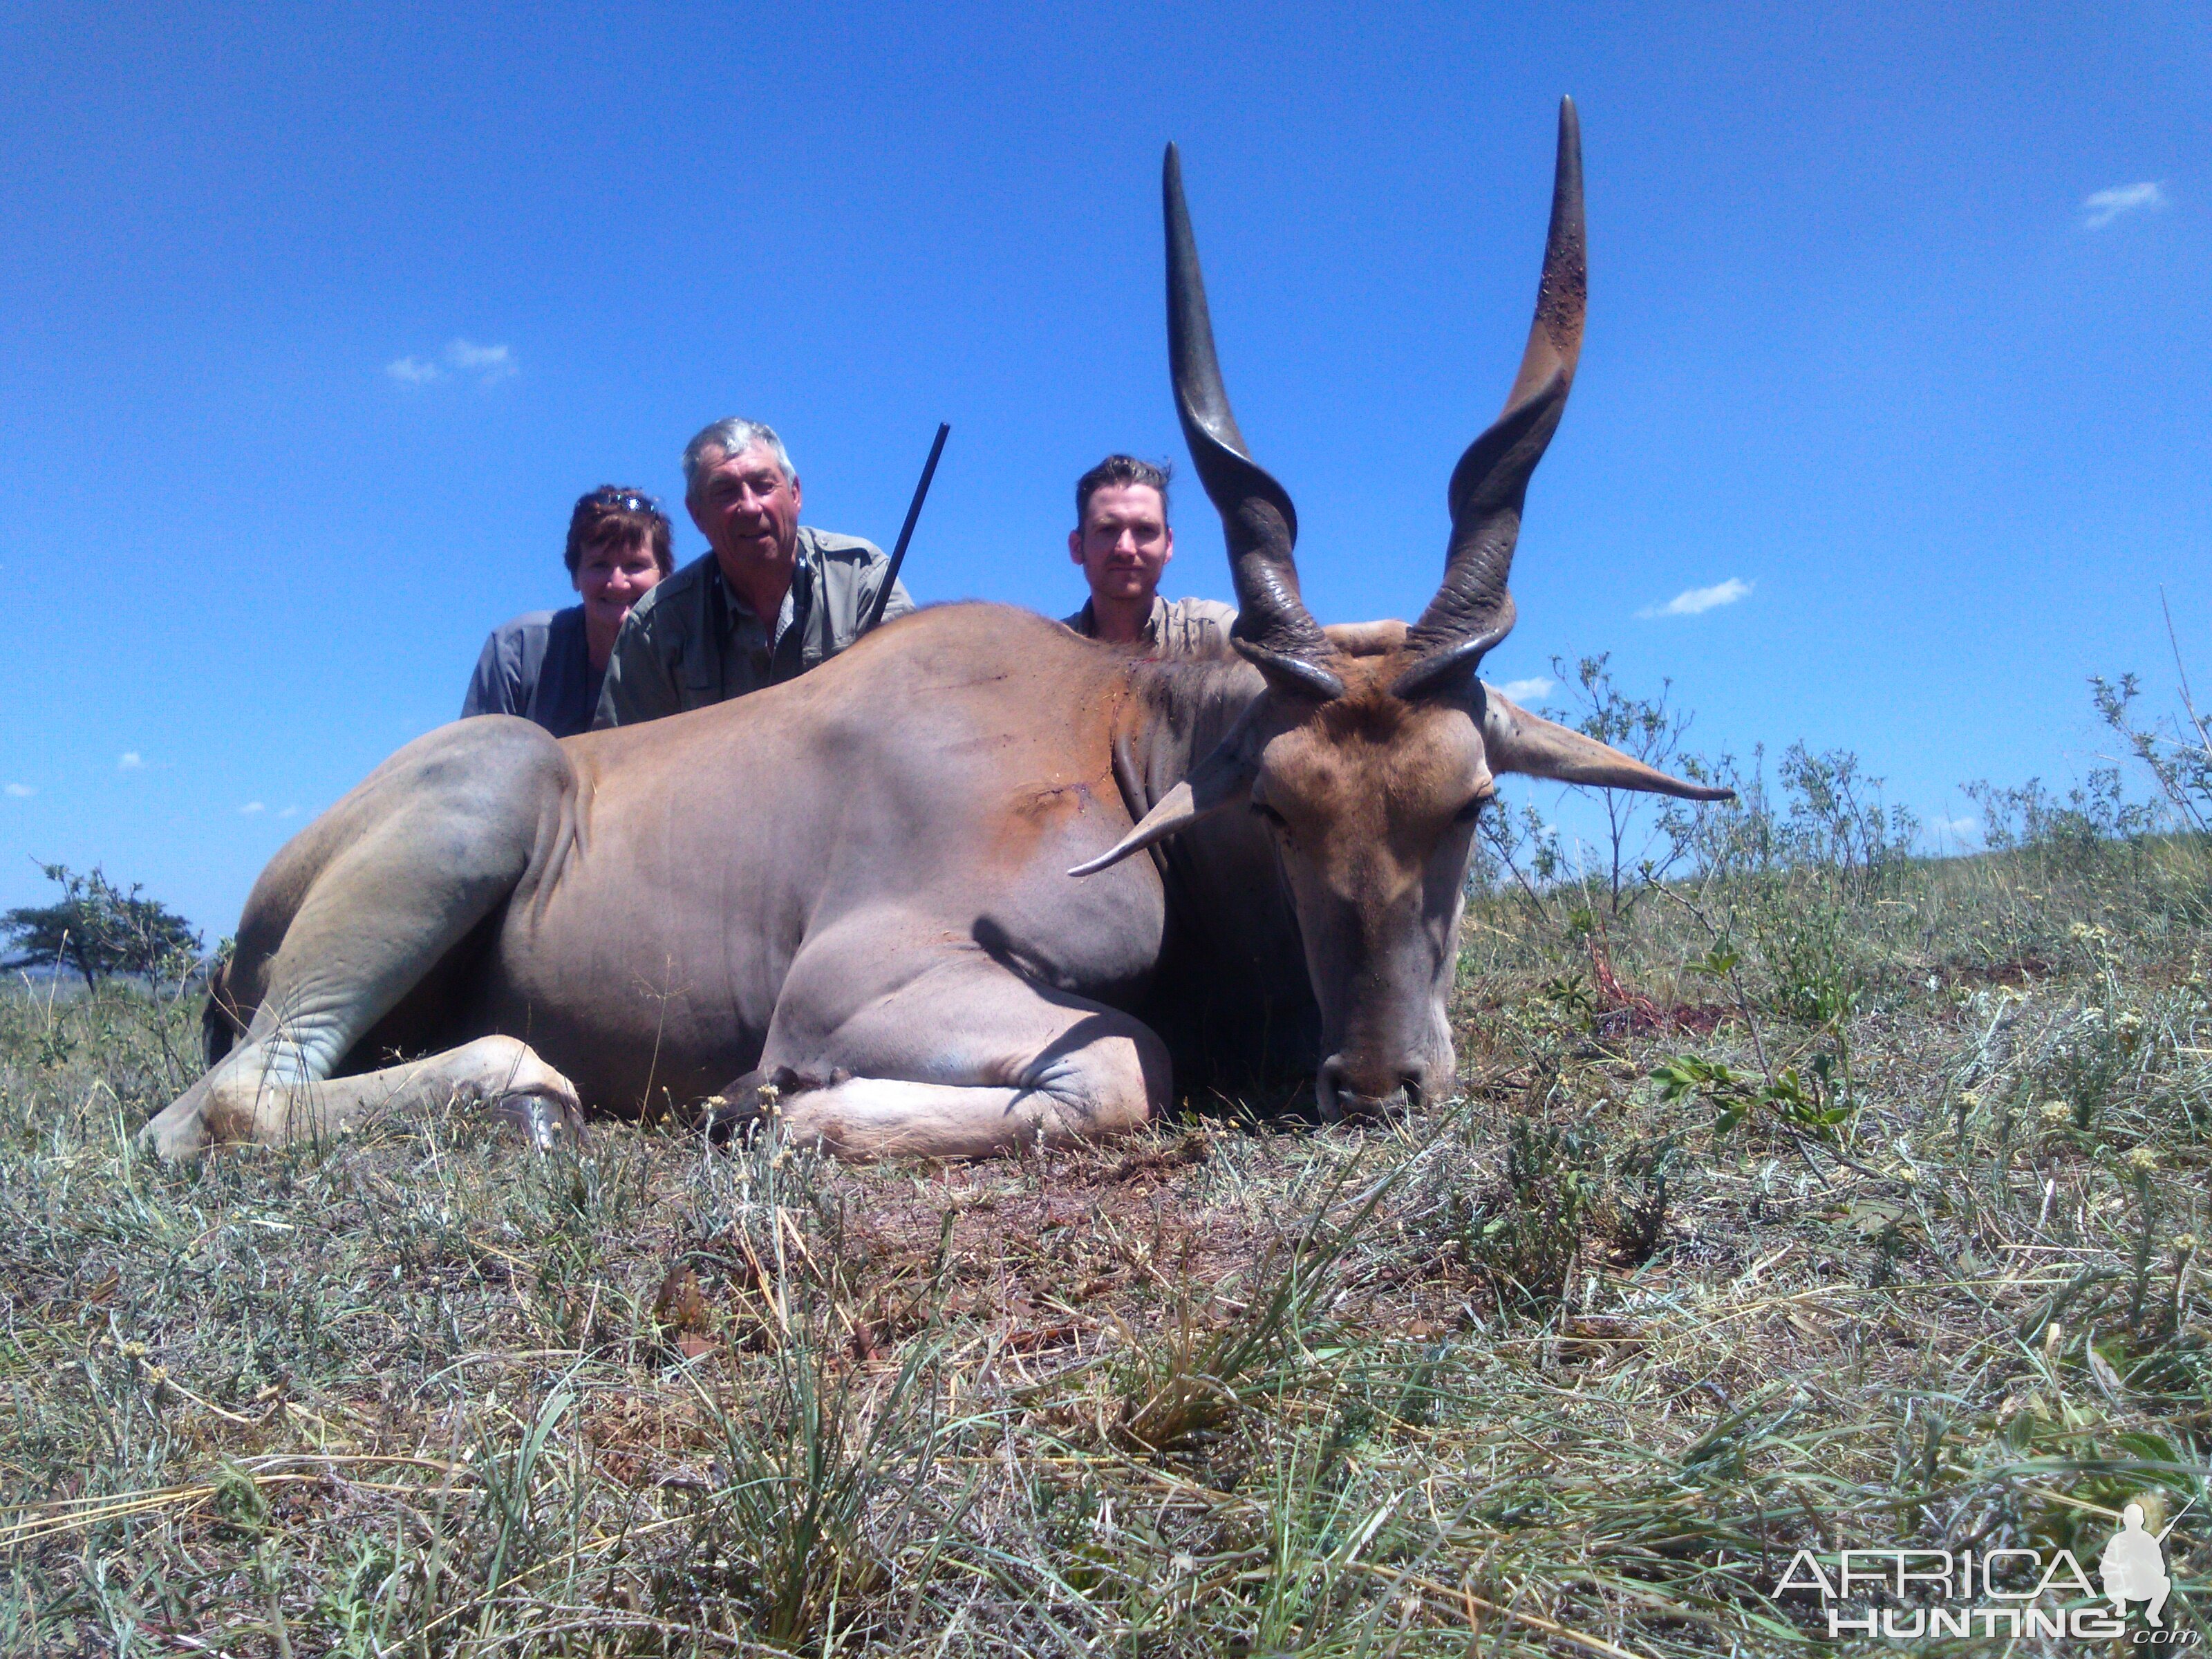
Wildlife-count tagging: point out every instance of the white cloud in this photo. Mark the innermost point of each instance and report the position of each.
(1960, 827)
(1695, 601)
(1526, 692)
(287, 811)
(489, 363)
(2103, 207)
(21, 791)
(250, 808)
(130, 761)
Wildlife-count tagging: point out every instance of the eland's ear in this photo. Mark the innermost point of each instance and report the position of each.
(1222, 779)
(1515, 741)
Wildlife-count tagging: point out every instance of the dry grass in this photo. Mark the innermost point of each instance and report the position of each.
(1568, 1368)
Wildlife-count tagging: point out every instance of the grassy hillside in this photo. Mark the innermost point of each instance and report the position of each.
(1844, 1205)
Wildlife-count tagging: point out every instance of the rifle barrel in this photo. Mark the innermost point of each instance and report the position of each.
(906, 531)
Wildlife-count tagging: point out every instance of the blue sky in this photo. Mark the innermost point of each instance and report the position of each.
(1862, 342)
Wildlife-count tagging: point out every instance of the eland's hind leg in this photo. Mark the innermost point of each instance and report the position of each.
(353, 913)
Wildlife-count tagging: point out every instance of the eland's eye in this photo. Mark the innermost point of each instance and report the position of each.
(1473, 810)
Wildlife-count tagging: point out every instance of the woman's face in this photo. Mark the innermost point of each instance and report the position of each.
(613, 579)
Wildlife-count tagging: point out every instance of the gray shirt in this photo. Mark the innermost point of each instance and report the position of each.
(691, 642)
(540, 666)
(1176, 628)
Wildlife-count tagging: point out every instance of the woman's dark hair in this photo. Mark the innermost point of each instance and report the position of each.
(611, 516)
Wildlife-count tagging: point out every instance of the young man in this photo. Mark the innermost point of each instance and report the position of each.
(1123, 543)
(771, 598)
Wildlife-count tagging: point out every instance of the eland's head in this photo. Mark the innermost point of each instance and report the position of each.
(1374, 746)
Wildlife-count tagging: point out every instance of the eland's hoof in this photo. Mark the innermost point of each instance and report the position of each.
(547, 1121)
(179, 1131)
(742, 1106)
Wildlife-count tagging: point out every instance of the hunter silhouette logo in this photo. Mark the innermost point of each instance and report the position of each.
(2133, 1567)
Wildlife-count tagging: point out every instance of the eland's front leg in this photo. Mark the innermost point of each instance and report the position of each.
(962, 1058)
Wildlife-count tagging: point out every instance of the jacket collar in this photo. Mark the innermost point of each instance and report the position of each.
(727, 609)
(1087, 626)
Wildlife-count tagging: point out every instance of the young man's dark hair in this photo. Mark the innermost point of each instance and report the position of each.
(1119, 471)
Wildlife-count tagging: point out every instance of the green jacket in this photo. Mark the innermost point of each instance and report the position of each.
(691, 642)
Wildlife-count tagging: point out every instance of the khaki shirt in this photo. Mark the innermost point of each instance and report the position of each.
(690, 642)
(1176, 628)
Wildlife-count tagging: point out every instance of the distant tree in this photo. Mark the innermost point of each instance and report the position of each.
(98, 928)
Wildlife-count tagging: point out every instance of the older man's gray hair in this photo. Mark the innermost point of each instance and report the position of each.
(733, 437)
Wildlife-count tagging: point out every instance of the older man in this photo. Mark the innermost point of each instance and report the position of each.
(771, 598)
(1123, 543)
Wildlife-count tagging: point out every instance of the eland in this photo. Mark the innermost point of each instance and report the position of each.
(929, 891)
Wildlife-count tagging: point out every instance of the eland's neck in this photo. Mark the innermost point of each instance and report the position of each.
(1179, 709)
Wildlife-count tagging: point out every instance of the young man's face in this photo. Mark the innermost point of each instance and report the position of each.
(1124, 542)
(745, 507)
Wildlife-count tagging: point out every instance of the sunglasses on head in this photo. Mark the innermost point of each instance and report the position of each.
(621, 500)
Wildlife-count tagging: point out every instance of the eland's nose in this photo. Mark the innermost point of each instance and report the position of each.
(1346, 1093)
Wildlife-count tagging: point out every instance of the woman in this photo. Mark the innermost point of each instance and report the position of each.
(547, 665)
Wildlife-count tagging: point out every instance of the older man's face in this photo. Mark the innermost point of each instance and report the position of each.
(745, 507)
